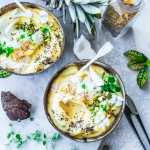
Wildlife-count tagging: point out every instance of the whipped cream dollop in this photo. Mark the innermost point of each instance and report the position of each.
(102, 121)
(43, 17)
(116, 100)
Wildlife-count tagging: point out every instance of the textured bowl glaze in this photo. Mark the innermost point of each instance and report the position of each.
(12, 6)
(118, 117)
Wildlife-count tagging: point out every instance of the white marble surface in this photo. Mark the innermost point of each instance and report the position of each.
(32, 89)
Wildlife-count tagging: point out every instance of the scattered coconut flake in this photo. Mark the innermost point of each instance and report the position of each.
(76, 80)
(99, 119)
(82, 49)
(105, 123)
(117, 100)
(3, 25)
(95, 77)
(67, 97)
(54, 87)
(43, 17)
(37, 37)
(26, 60)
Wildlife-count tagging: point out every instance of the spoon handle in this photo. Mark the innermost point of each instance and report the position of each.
(103, 51)
(20, 5)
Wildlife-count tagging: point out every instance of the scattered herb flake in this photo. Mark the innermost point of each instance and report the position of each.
(22, 36)
(45, 31)
(83, 86)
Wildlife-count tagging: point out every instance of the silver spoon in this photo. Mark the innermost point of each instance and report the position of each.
(103, 51)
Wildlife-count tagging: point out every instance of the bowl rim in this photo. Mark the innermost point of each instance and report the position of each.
(63, 44)
(67, 135)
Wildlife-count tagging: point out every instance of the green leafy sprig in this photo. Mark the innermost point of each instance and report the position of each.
(7, 50)
(138, 61)
(110, 85)
(15, 137)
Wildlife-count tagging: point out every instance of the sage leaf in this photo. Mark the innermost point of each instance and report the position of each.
(133, 64)
(148, 62)
(135, 55)
(4, 74)
(142, 76)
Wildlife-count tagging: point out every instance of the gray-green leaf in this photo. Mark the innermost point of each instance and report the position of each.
(142, 76)
(133, 64)
(135, 55)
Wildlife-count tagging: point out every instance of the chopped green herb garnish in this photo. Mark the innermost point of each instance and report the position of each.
(18, 120)
(104, 108)
(45, 31)
(31, 39)
(29, 33)
(83, 86)
(103, 75)
(22, 27)
(5, 50)
(22, 36)
(17, 39)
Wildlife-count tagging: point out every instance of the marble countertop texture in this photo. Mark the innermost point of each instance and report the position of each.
(32, 88)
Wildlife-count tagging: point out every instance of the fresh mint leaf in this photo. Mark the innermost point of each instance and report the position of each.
(22, 36)
(111, 80)
(4, 43)
(118, 88)
(83, 86)
(45, 31)
(104, 87)
(31, 119)
(112, 86)
(142, 76)
(9, 50)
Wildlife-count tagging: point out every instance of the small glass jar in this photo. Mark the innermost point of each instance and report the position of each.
(120, 15)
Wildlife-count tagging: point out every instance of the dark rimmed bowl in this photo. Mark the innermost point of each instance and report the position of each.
(12, 6)
(118, 117)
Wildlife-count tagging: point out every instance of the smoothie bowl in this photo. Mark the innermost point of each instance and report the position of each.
(85, 107)
(29, 44)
